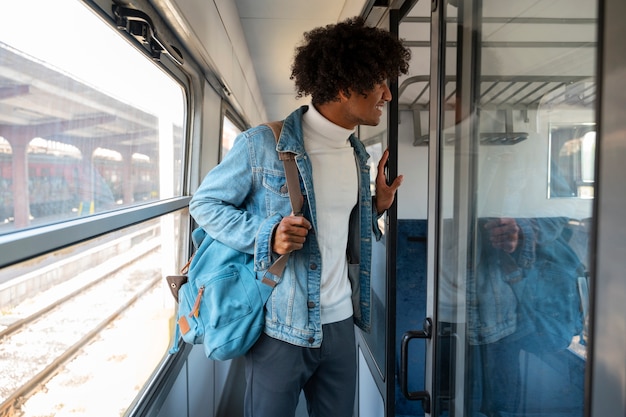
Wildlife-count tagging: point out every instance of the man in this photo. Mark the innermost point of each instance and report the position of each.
(308, 343)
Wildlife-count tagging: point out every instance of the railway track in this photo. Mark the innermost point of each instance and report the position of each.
(36, 347)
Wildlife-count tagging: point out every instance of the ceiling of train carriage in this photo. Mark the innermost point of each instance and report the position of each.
(273, 28)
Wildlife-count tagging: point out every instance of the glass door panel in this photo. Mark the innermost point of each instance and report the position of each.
(412, 208)
(516, 191)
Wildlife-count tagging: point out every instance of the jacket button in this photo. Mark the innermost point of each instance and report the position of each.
(283, 189)
(310, 304)
(311, 340)
(313, 266)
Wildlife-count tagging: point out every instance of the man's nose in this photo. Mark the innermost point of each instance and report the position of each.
(386, 92)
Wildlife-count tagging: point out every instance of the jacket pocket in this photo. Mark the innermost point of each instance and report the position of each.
(277, 194)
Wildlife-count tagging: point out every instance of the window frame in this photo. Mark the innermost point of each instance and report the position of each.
(29, 243)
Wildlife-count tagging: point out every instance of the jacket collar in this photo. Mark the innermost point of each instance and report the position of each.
(291, 139)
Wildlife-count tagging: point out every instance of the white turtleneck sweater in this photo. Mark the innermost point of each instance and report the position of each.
(336, 190)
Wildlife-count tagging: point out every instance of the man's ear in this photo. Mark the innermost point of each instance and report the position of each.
(342, 96)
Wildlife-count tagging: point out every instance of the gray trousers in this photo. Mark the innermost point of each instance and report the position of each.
(276, 373)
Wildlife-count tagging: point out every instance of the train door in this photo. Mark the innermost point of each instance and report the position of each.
(510, 100)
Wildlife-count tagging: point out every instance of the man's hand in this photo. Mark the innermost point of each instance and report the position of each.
(504, 234)
(385, 193)
(290, 234)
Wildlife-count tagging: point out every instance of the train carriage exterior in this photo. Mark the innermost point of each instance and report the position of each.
(510, 118)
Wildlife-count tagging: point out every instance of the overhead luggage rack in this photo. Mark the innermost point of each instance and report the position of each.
(502, 93)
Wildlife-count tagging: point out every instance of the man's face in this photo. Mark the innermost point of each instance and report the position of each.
(365, 110)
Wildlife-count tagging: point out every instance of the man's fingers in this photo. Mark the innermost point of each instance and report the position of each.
(296, 221)
(291, 234)
(382, 162)
(397, 182)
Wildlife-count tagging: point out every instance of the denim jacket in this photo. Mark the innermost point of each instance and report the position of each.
(492, 302)
(532, 291)
(243, 199)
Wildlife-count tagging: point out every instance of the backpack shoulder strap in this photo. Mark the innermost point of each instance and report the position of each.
(293, 188)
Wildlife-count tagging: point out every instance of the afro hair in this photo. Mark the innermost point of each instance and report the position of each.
(346, 57)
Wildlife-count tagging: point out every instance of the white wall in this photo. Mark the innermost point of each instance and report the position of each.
(214, 28)
(370, 401)
(512, 179)
(413, 164)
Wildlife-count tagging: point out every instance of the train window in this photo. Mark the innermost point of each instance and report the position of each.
(572, 155)
(92, 211)
(375, 150)
(84, 327)
(83, 130)
(230, 130)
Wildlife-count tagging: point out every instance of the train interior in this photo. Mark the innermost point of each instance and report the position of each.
(109, 122)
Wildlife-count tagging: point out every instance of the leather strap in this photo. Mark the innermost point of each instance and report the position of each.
(293, 185)
(295, 196)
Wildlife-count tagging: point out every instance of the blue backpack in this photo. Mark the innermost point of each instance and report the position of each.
(221, 300)
(221, 304)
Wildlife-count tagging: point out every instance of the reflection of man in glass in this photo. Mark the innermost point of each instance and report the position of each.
(522, 297)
